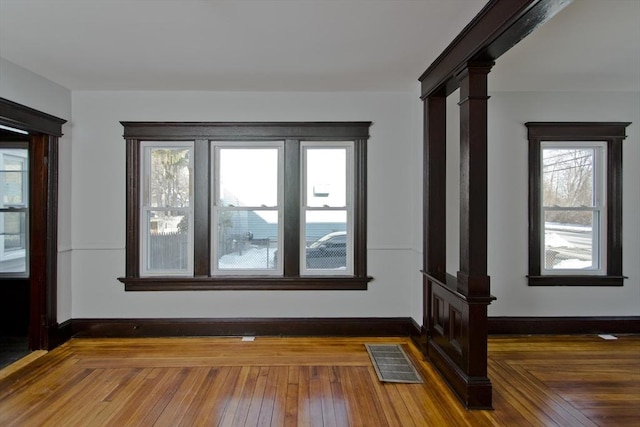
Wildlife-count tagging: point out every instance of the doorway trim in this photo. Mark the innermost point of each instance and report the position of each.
(44, 131)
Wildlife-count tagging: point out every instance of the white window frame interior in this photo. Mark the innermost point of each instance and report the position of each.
(217, 207)
(304, 208)
(599, 208)
(12, 254)
(145, 208)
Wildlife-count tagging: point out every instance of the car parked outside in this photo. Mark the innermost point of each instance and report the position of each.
(328, 252)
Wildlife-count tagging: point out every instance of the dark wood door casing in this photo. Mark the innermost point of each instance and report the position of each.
(44, 131)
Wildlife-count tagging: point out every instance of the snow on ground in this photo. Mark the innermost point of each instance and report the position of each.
(552, 240)
(252, 258)
(573, 264)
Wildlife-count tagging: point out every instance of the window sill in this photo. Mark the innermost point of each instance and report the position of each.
(576, 280)
(311, 283)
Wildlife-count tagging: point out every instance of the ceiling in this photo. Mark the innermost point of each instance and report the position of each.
(591, 45)
(304, 45)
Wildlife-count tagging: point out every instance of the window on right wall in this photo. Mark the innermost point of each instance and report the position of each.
(575, 203)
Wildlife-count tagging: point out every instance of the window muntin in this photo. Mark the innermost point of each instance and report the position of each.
(14, 210)
(167, 208)
(573, 208)
(247, 211)
(327, 212)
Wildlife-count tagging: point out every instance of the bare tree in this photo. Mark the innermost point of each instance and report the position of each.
(170, 177)
(568, 182)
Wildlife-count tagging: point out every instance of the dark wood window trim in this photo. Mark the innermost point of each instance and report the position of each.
(203, 132)
(610, 132)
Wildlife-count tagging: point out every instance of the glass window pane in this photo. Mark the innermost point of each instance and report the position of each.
(248, 177)
(326, 177)
(247, 240)
(570, 240)
(170, 178)
(14, 217)
(568, 177)
(326, 237)
(14, 177)
(13, 236)
(167, 240)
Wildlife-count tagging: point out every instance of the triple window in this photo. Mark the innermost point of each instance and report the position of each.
(246, 206)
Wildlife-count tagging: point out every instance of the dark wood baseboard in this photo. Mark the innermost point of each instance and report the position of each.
(59, 334)
(343, 326)
(563, 325)
(419, 336)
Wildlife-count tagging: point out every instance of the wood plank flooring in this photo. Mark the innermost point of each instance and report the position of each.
(538, 381)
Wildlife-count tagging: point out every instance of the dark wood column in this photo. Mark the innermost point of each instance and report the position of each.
(455, 307)
(472, 277)
(435, 172)
(472, 280)
(434, 204)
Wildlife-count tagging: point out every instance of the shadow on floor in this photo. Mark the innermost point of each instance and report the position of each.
(12, 349)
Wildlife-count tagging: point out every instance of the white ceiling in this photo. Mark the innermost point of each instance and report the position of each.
(304, 45)
(591, 45)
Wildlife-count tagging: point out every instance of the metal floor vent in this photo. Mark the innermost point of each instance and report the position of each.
(392, 364)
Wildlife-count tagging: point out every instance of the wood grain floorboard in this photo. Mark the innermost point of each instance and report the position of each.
(537, 381)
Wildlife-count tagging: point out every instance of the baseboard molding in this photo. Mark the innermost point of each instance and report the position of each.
(340, 326)
(563, 325)
(419, 336)
(357, 326)
(59, 334)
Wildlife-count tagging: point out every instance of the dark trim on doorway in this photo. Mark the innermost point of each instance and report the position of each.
(44, 131)
(564, 325)
(339, 326)
(28, 119)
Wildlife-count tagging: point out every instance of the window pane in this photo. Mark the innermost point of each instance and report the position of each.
(568, 177)
(326, 177)
(248, 177)
(14, 241)
(326, 237)
(170, 177)
(168, 240)
(14, 177)
(247, 239)
(14, 201)
(570, 240)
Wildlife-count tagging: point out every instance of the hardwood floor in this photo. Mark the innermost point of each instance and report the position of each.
(563, 381)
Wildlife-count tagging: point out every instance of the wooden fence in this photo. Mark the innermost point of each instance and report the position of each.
(168, 251)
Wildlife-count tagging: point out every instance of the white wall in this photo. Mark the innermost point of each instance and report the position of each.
(27, 88)
(415, 189)
(20, 85)
(98, 211)
(508, 209)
